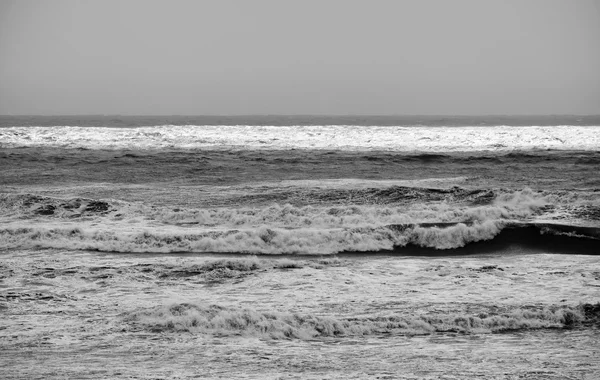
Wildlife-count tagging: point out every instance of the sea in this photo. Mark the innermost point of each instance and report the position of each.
(300, 247)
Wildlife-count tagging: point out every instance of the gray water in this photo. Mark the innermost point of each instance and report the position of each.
(146, 257)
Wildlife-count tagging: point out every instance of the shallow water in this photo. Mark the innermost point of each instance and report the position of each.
(530, 355)
(66, 314)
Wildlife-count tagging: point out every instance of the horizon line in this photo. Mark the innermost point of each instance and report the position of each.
(305, 115)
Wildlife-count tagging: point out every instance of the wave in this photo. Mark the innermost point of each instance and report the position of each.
(409, 239)
(215, 319)
(451, 220)
(322, 137)
(337, 205)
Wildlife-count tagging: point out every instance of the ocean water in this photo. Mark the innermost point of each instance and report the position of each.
(300, 247)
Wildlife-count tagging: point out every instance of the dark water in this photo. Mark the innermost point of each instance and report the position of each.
(553, 170)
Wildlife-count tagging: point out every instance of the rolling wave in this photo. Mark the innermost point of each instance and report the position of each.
(215, 319)
(408, 239)
(337, 204)
(400, 220)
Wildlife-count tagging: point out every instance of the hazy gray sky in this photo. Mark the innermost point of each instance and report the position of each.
(300, 57)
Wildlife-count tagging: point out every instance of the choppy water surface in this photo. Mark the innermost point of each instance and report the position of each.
(89, 315)
(435, 248)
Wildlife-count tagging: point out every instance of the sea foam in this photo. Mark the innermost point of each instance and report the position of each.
(325, 137)
(31, 221)
(215, 319)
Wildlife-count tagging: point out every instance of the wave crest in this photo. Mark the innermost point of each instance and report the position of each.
(455, 207)
(268, 240)
(214, 319)
(31, 221)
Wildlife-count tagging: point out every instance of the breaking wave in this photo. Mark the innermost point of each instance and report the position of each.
(330, 137)
(444, 239)
(215, 319)
(329, 207)
(473, 221)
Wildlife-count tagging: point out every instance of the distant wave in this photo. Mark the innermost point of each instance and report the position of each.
(324, 137)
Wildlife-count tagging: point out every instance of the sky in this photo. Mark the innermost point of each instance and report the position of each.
(227, 57)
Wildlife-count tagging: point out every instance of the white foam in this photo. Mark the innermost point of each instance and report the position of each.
(520, 205)
(271, 230)
(260, 240)
(274, 229)
(327, 137)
